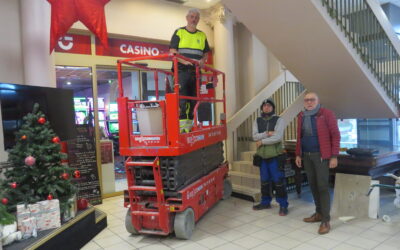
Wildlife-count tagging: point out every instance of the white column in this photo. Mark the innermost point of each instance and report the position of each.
(222, 21)
(38, 64)
(225, 56)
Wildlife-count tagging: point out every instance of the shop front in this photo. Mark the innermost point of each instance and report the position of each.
(84, 66)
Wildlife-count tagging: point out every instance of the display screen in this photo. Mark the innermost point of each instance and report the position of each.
(17, 100)
(113, 107)
(113, 127)
(100, 102)
(114, 116)
(80, 117)
(80, 104)
(101, 116)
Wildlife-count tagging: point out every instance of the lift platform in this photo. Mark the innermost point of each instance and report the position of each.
(174, 177)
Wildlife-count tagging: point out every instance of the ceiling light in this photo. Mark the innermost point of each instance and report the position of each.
(68, 83)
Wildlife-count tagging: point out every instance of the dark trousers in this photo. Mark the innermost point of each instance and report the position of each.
(187, 82)
(271, 175)
(317, 171)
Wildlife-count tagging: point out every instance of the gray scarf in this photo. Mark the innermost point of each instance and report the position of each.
(307, 114)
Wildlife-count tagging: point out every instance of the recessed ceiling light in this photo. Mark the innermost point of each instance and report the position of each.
(68, 83)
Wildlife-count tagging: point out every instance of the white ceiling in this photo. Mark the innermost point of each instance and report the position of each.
(396, 2)
(309, 46)
(200, 4)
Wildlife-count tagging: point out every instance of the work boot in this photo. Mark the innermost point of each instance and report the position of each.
(283, 211)
(316, 217)
(261, 206)
(324, 228)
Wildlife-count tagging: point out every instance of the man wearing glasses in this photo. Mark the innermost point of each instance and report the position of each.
(318, 140)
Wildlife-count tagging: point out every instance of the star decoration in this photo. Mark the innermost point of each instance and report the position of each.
(64, 13)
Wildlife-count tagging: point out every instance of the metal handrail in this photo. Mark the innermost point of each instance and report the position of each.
(362, 28)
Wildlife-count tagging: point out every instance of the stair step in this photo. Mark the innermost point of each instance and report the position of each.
(252, 192)
(247, 155)
(245, 167)
(245, 179)
(248, 175)
(252, 146)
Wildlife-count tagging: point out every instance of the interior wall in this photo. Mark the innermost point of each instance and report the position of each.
(11, 65)
(244, 64)
(150, 19)
(275, 67)
(260, 65)
(11, 70)
(256, 65)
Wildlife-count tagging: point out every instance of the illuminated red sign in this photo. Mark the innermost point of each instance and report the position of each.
(80, 44)
(130, 49)
(75, 44)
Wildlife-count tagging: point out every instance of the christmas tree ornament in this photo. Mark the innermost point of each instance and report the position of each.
(30, 160)
(23, 137)
(41, 120)
(4, 201)
(50, 197)
(65, 176)
(56, 139)
(13, 185)
(77, 174)
(82, 203)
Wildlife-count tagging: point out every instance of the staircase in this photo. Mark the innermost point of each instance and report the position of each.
(288, 94)
(244, 176)
(344, 50)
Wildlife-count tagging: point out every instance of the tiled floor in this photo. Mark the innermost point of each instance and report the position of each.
(232, 224)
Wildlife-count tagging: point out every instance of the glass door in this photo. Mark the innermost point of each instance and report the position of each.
(113, 169)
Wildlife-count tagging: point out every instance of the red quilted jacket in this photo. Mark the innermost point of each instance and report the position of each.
(328, 133)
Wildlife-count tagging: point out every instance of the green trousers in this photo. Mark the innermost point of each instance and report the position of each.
(317, 171)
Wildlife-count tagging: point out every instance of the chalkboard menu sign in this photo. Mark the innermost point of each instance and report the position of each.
(82, 157)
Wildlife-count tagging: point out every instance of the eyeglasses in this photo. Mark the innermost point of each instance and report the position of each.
(310, 100)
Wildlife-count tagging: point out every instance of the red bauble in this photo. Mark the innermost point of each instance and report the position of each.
(82, 203)
(41, 120)
(55, 139)
(23, 137)
(4, 201)
(65, 176)
(30, 160)
(13, 185)
(77, 174)
(50, 197)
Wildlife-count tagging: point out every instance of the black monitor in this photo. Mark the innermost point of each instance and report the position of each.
(17, 100)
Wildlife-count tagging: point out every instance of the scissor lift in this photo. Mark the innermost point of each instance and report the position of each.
(156, 206)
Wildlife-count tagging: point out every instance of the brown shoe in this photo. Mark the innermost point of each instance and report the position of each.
(313, 218)
(324, 228)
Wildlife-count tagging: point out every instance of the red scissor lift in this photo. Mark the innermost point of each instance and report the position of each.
(155, 206)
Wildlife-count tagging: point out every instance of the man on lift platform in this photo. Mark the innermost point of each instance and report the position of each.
(192, 43)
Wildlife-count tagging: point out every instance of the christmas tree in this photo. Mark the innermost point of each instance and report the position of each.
(37, 173)
(5, 217)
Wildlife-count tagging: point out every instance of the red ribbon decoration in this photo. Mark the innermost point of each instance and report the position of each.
(64, 13)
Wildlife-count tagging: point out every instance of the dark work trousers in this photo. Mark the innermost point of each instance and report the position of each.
(187, 82)
(271, 174)
(317, 171)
